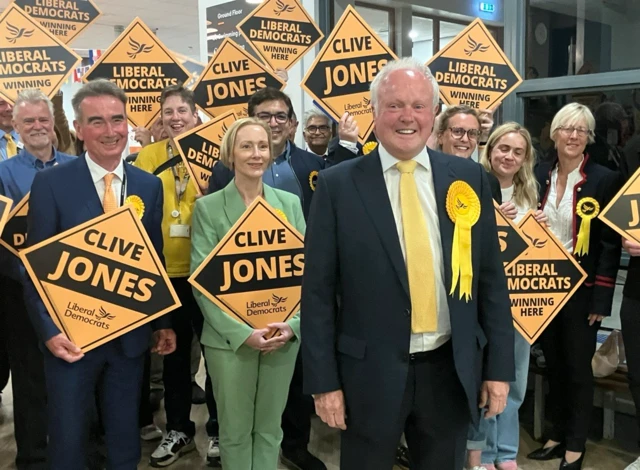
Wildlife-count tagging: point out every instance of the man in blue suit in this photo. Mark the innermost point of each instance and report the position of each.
(62, 198)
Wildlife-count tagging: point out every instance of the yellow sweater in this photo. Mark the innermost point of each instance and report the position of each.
(177, 251)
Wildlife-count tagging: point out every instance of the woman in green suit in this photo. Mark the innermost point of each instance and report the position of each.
(250, 374)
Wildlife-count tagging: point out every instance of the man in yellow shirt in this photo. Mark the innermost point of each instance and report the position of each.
(162, 158)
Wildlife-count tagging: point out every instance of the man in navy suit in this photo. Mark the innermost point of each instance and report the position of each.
(387, 349)
(64, 197)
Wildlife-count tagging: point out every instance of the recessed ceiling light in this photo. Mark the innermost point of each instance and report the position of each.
(212, 30)
(253, 2)
(413, 34)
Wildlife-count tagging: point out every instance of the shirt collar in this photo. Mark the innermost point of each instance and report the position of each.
(98, 173)
(37, 163)
(326, 152)
(388, 161)
(286, 155)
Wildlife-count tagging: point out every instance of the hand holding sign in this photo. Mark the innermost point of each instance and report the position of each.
(286, 333)
(631, 247)
(486, 122)
(165, 342)
(62, 348)
(509, 209)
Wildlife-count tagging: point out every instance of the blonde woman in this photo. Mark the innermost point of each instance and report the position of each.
(509, 156)
(250, 374)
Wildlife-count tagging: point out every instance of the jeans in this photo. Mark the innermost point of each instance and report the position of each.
(498, 437)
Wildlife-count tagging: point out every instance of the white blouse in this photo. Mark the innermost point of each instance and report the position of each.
(507, 196)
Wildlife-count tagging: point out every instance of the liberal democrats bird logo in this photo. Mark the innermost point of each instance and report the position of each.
(224, 131)
(475, 46)
(17, 33)
(283, 8)
(277, 300)
(138, 48)
(366, 101)
(536, 242)
(104, 315)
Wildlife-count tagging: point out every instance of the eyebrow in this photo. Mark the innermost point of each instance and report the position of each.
(100, 118)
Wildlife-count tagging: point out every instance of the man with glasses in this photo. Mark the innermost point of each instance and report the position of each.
(317, 132)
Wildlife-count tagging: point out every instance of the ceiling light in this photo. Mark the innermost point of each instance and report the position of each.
(211, 30)
(253, 2)
(413, 34)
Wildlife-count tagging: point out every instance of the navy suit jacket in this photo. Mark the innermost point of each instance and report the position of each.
(356, 309)
(64, 197)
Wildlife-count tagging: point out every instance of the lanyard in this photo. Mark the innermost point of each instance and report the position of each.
(123, 188)
(181, 186)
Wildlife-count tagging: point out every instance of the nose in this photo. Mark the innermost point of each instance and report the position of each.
(407, 114)
(465, 137)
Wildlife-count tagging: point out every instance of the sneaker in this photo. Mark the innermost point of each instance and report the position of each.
(213, 452)
(402, 456)
(150, 433)
(634, 466)
(173, 446)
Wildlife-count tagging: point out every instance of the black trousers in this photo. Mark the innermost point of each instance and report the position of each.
(630, 316)
(176, 374)
(434, 417)
(569, 344)
(296, 418)
(28, 380)
(4, 360)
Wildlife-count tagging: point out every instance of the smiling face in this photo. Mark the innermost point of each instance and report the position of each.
(34, 123)
(251, 152)
(177, 116)
(6, 110)
(508, 155)
(404, 113)
(571, 139)
(276, 114)
(455, 139)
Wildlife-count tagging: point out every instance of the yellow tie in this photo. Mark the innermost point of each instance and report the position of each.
(422, 280)
(109, 200)
(12, 148)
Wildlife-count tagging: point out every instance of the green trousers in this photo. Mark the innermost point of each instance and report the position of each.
(251, 392)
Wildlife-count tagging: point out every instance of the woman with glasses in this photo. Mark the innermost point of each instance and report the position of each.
(573, 190)
(250, 373)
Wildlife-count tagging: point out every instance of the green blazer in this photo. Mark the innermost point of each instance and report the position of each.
(213, 217)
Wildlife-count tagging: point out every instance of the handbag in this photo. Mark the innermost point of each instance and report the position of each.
(609, 356)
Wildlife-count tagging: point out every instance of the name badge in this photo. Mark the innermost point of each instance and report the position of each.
(180, 231)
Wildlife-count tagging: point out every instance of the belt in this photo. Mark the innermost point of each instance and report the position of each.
(444, 351)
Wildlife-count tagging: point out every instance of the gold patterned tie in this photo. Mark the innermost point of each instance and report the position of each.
(109, 200)
(422, 280)
(12, 148)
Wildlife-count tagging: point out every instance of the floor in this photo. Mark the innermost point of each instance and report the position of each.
(324, 443)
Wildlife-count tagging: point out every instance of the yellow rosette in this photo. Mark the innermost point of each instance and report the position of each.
(313, 179)
(136, 203)
(282, 215)
(369, 147)
(463, 208)
(587, 209)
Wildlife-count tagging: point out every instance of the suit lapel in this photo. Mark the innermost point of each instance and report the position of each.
(86, 188)
(234, 206)
(369, 182)
(443, 176)
(272, 199)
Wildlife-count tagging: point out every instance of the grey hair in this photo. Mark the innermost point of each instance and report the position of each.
(99, 87)
(314, 112)
(32, 96)
(405, 63)
(571, 114)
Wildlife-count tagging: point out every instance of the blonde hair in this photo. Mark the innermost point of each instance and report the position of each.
(525, 186)
(229, 139)
(571, 114)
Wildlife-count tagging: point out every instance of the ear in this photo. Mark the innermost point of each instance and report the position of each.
(78, 128)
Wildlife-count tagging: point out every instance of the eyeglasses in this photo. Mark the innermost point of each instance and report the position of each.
(459, 132)
(314, 129)
(569, 130)
(281, 118)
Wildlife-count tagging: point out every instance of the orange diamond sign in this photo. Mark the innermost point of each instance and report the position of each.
(512, 241)
(14, 234)
(622, 213)
(5, 209)
(255, 273)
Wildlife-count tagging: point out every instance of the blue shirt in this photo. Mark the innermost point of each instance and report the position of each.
(3, 143)
(16, 177)
(280, 174)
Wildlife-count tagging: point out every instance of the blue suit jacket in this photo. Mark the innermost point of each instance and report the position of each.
(64, 197)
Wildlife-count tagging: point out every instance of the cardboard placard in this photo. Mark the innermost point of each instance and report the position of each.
(14, 235)
(512, 241)
(473, 70)
(255, 273)
(229, 79)
(542, 280)
(200, 148)
(341, 75)
(101, 279)
(5, 209)
(30, 56)
(65, 19)
(281, 32)
(622, 213)
(142, 66)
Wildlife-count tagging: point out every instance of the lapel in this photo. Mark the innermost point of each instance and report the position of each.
(86, 188)
(369, 182)
(272, 198)
(443, 176)
(233, 204)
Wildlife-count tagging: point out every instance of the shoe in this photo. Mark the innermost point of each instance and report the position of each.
(150, 433)
(302, 459)
(402, 456)
(213, 452)
(198, 397)
(577, 465)
(634, 465)
(548, 453)
(173, 446)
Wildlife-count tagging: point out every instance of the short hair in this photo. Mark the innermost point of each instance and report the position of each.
(571, 114)
(32, 96)
(406, 63)
(178, 90)
(447, 114)
(269, 94)
(314, 112)
(99, 87)
(229, 139)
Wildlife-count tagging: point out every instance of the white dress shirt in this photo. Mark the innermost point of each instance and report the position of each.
(561, 215)
(507, 196)
(427, 196)
(97, 175)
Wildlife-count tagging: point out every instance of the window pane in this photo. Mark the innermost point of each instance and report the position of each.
(574, 37)
(422, 36)
(379, 22)
(448, 31)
